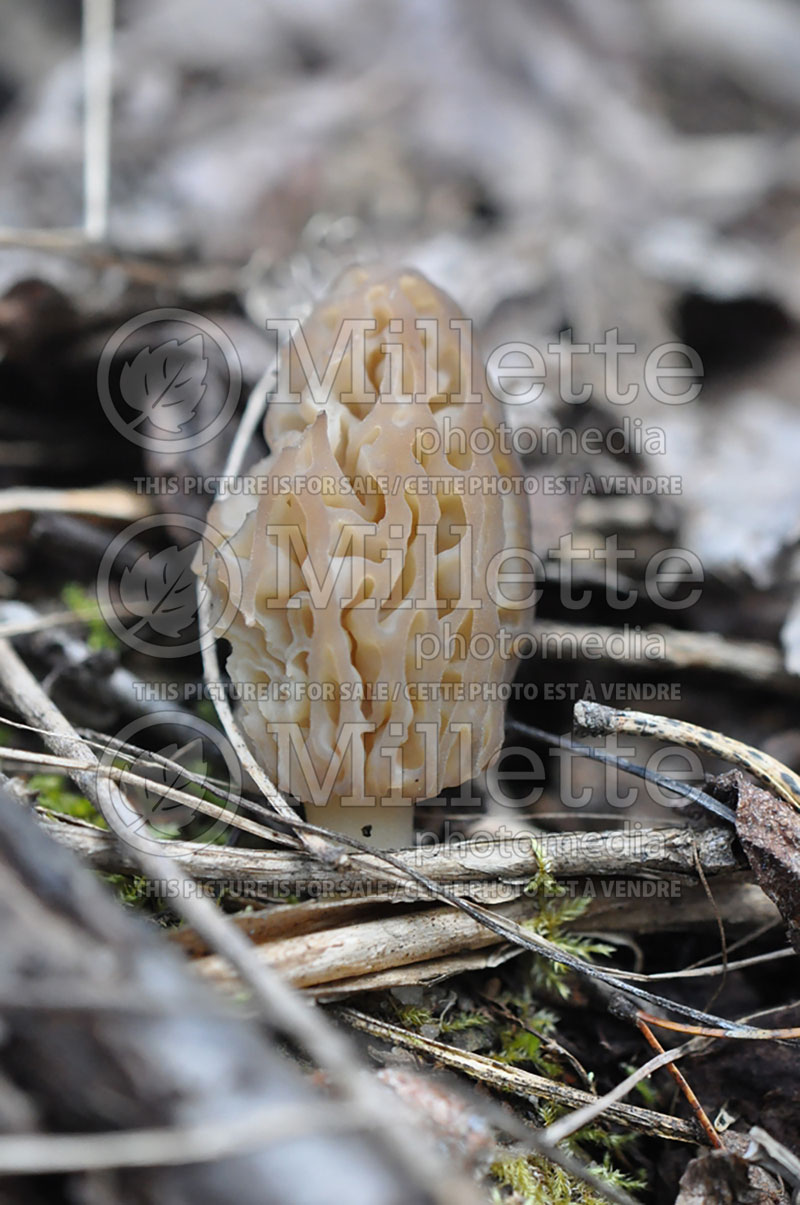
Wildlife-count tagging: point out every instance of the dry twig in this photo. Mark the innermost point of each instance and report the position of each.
(597, 720)
(278, 1002)
(522, 1083)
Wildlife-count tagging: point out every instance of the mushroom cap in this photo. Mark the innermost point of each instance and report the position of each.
(366, 647)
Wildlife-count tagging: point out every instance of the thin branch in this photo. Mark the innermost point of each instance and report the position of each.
(73, 766)
(105, 502)
(721, 968)
(66, 239)
(475, 864)
(530, 1087)
(754, 935)
(277, 1001)
(147, 759)
(749, 1032)
(723, 936)
(50, 1154)
(597, 720)
(752, 660)
(12, 671)
(693, 794)
(523, 1083)
(566, 1126)
(683, 1084)
(98, 40)
(253, 412)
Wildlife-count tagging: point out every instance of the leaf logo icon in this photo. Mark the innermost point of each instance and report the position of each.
(166, 383)
(157, 809)
(160, 589)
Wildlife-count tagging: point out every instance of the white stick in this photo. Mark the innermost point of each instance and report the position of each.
(98, 39)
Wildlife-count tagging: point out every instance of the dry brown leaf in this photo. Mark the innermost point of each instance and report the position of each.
(769, 830)
(723, 1178)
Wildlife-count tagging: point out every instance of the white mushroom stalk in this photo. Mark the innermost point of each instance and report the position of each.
(385, 560)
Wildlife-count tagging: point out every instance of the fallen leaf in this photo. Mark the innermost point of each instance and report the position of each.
(724, 1178)
(769, 831)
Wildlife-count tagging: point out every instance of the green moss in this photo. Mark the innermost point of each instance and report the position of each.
(205, 709)
(522, 1046)
(411, 1016)
(644, 1088)
(86, 607)
(554, 913)
(52, 793)
(518, 1030)
(133, 890)
(533, 1180)
(536, 1181)
(458, 1022)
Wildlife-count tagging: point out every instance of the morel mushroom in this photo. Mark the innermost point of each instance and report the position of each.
(383, 551)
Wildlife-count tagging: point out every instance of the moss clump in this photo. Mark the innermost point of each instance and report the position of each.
(534, 1181)
(87, 609)
(528, 1042)
(132, 890)
(412, 1016)
(555, 911)
(461, 1021)
(52, 793)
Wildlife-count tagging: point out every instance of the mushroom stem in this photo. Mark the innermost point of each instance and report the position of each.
(385, 826)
